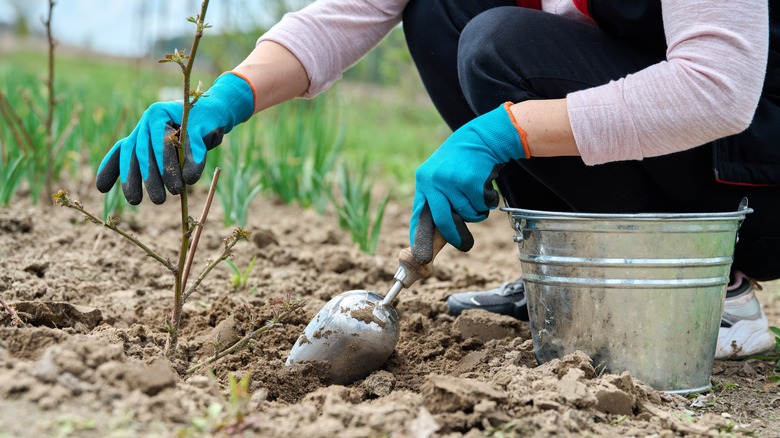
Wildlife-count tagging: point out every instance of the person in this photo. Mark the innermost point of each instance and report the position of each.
(597, 106)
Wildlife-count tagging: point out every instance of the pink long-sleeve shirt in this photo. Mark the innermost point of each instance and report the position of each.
(707, 88)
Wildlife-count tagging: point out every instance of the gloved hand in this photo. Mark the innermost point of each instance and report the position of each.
(455, 184)
(144, 155)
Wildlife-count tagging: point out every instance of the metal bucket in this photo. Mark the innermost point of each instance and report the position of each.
(636, 292)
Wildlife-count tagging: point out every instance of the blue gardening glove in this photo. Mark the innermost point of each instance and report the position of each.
(145, 155)
(455, 184)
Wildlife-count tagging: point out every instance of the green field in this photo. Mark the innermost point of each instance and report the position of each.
(368, 136)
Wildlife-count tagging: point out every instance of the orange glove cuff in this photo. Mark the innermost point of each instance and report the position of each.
(520, 131)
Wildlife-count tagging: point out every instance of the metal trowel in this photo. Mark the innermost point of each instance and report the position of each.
(357, 331)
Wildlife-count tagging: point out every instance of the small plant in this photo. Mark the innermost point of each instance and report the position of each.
(230, 415)
(299, 151)
(618, 420)
(237, 192)
(506, 430)
(239, 278)
(354, 206)
(190, 228)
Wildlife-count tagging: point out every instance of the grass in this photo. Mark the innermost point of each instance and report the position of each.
(294, 151)
(355, 207)
(239, 278)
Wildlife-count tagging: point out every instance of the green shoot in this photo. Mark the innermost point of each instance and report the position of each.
(12, 170)
(299, 151)
(242, 184)
(354, 205)
(239, 278)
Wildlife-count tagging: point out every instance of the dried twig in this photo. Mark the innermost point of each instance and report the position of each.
(14, 121)
(288, 308)
(10, 310)
(52, 103)
(61, 198)
(199, 228)
(231, 241)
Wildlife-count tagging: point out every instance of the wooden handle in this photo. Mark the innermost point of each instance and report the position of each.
(416, 270)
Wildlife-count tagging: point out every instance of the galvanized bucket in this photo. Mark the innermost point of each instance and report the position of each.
(636, 292)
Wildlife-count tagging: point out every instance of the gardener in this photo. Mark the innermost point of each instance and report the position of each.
(568, 105)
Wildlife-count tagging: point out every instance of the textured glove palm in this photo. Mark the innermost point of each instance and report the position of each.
(455, 184)
(145, 155)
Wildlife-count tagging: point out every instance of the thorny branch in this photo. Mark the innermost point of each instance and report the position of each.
(61, 198)
(238, 235)
(288, 308)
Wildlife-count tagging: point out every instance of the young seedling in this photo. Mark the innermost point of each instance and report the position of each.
(230, 415)
(239, 278)
(190, 228)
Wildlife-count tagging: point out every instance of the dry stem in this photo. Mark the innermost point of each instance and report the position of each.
(199, 228)
(14, 121)
(63, 200)
(178, 302)
(230, 241)
(10, 310)
(51, 104)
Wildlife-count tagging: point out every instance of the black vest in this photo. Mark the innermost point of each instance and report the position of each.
(751, 157)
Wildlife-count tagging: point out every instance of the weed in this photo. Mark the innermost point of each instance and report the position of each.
(354, 207)
(12, 170)
(239, 278)
(230, 416)
(618, 420)
(240, 188)
(506, 430)
(68, 426)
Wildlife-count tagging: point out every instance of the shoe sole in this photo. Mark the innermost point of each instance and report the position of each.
(743, 339)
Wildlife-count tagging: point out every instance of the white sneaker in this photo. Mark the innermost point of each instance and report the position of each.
(744, 329)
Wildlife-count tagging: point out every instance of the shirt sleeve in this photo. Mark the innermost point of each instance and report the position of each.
(329, 36)
(707, 88)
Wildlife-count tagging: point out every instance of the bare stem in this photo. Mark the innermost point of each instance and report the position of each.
(199, 228)
(178, 301)
(63, 200)
(230, 242)
(52, 102)
(10, 310)
(288, 308)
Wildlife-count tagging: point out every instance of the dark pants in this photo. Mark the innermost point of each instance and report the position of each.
(474, 55)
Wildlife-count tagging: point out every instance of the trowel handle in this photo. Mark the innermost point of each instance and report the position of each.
(414, 269)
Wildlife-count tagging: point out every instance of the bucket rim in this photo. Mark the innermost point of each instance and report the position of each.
(542, 214)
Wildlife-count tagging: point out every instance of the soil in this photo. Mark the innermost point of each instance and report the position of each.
(89, 361)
